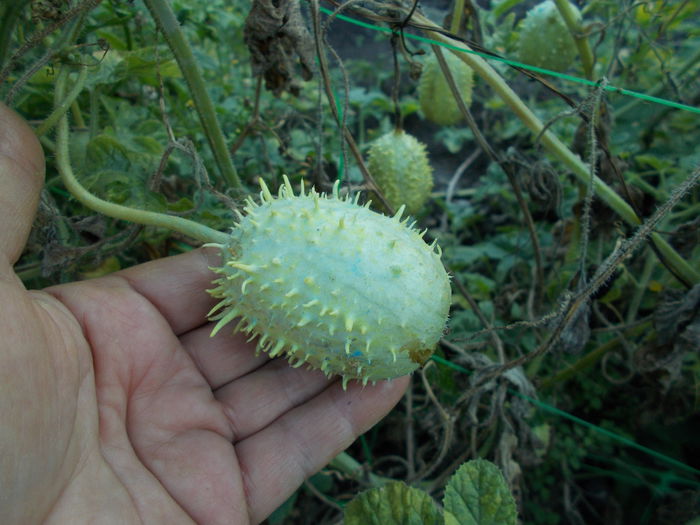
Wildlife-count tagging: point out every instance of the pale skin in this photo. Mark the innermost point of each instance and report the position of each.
(117, 407)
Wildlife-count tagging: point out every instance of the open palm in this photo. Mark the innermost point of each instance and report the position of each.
(117, 406)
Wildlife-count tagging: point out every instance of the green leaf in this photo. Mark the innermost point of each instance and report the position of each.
(106, 153)
(144, 64)
(282, 512)
(468, 255)
(393, 504)
(103, 72)
(477, 494)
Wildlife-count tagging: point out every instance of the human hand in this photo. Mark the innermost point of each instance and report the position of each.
(117, 407)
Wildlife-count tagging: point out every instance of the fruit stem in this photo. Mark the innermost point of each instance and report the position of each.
(554, 145)
(165, 20)
(573, 22)
(346, 464)
(456, 21)
(148, 218)
(62, 105)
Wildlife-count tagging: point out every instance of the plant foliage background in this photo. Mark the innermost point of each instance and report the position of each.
(625, 357)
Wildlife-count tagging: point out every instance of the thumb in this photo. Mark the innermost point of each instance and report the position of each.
(21, 179)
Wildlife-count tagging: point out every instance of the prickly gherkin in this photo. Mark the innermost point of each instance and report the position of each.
(434, 94)
(544, 40)
(332, 285)
(399, 164)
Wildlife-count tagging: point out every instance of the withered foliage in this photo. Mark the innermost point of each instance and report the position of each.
(281, 46)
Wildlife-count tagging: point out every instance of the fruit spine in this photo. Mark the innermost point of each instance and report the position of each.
(399, 164)
(544, 39)
(333, 285)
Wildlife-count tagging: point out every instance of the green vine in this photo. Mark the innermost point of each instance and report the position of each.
(62, 106)
(165, 20)
(147, 218)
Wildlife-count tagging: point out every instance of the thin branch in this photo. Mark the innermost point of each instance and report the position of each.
(323, 66)
(39, 36)
(482, 318)
(506, 166)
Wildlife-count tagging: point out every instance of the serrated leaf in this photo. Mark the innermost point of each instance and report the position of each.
(103, 72)
(477, 494)
(393, 504)
(107, 153)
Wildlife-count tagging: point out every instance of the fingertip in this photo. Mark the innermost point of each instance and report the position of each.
(19, 143)
(373, 401)
(21, 178)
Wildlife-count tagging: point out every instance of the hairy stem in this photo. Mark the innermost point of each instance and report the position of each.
(345, 463)
(69, 35)
(604, 272)
(588, 200)
(147, 218)
(165, 20)
(62, 105)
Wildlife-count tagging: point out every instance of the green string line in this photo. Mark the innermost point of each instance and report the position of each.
(607, 433)
(564, 76)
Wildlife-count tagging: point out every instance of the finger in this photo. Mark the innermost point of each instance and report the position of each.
(177, 286)
(223, 358)
(21, 178)
(280, 457)
(257, 399)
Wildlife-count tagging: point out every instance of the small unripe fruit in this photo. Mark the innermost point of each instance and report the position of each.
(434, 94)
(544, 39)
(332, 285)
(399, 164)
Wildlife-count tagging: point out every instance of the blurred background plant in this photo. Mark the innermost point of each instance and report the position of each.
(523, 237)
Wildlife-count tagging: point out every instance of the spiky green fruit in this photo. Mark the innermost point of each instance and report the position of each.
(399, 164)
(544, 39)
(333, 285)
(434, 94)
